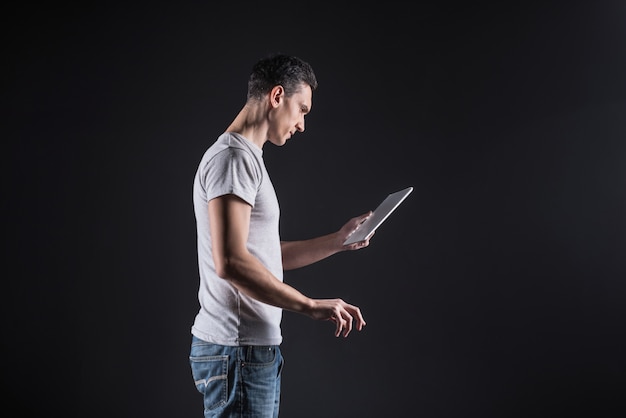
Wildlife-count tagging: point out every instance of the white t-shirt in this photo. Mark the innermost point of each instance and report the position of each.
(234, 165)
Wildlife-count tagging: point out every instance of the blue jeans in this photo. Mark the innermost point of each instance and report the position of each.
(237, 381)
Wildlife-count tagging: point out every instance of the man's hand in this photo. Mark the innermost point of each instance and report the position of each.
(344, 315)
(349, 228)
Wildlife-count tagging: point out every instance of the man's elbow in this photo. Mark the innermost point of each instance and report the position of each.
(227, 268)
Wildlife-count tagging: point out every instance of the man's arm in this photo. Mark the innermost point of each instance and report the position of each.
(229, 218)
(298, 254)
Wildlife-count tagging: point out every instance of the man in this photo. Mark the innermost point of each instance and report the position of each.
(235, 357)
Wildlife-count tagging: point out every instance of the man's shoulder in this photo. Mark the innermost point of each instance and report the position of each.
(228, 155)
(234, 142)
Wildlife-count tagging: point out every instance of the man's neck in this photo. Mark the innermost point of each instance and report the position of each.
(251, 123)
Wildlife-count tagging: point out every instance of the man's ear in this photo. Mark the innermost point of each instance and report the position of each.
(276, 95)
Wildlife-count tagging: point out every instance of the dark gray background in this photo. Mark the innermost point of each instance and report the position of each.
(496, 290)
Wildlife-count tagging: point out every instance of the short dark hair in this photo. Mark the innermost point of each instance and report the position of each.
(279, 69)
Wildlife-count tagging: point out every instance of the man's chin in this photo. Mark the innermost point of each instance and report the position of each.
(280, 142)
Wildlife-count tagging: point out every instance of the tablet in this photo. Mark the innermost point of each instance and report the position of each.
(378, 216)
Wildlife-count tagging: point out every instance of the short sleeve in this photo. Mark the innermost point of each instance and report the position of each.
(232, 171)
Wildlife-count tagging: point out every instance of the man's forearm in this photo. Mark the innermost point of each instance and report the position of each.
(298, 254)
(251, 277)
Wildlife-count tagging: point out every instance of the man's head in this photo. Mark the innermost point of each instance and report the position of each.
(282, 85)
(279, 69)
